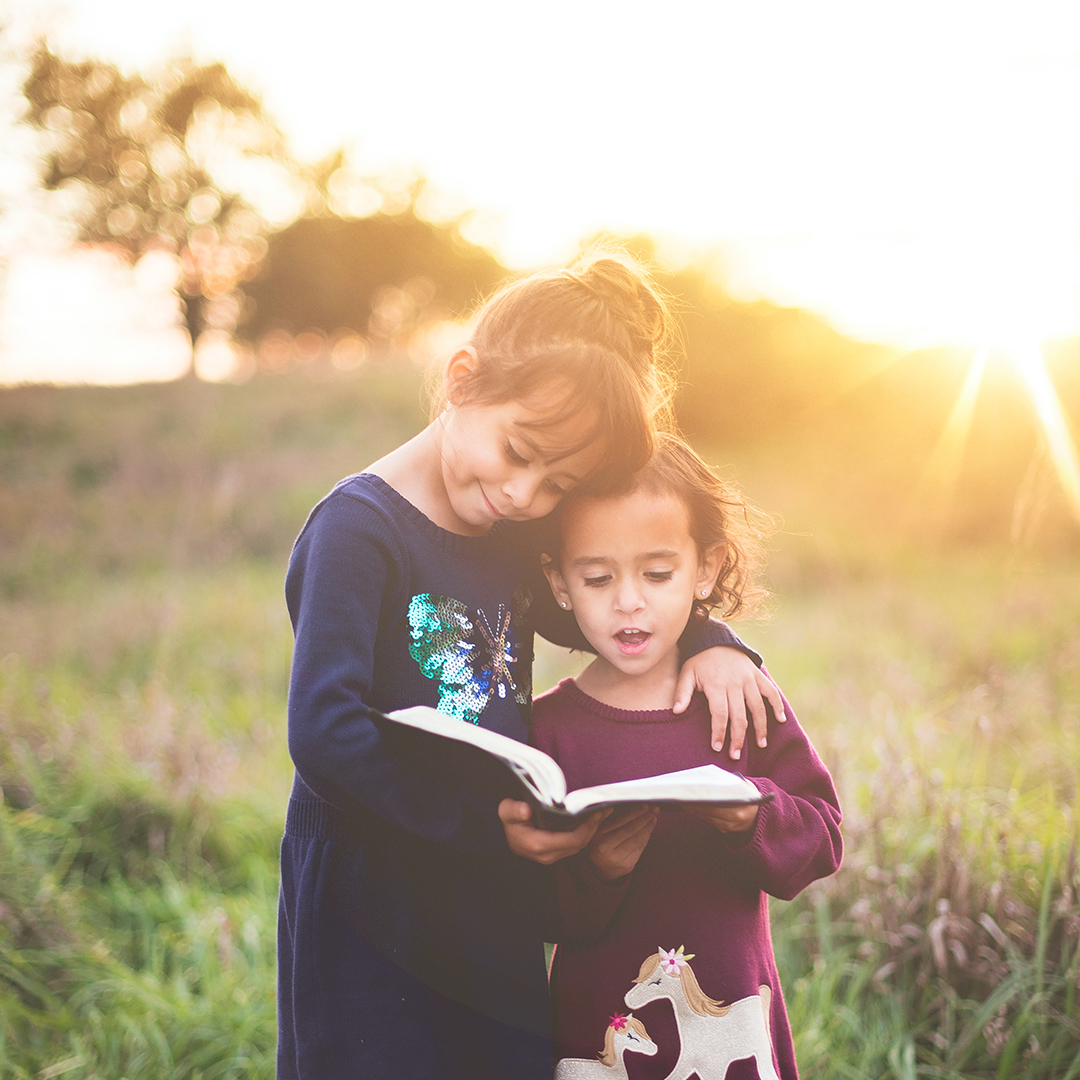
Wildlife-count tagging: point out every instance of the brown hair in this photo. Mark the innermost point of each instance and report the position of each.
(599, 331)
(696, 998)
(721, 519)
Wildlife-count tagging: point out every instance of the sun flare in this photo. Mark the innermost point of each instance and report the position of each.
(943, 469)
(1029, 364)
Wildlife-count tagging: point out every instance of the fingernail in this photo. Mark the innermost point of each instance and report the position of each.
(718, 746)
(735, 755)
(763, 742)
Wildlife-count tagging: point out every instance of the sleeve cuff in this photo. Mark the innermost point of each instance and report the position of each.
(700, 636)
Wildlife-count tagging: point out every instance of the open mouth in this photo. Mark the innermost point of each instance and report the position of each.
(632, 641)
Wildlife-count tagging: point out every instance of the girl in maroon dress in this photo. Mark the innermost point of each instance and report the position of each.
(687, 955)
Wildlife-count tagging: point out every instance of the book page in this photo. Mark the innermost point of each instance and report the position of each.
(706, 783)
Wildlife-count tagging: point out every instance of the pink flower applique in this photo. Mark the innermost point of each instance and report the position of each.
(672, 961)
(618, 1021)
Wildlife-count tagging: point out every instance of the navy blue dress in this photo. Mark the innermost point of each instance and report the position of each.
(409, 941)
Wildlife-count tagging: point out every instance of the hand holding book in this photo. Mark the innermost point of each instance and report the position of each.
(515, 770)
(620, 840)
(545, 846)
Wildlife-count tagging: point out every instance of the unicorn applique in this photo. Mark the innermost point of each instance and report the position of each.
(711, 1034)
(624, 1033)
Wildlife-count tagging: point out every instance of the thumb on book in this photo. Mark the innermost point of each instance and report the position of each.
(513, 811)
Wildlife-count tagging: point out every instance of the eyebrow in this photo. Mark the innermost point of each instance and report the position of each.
(591, 560)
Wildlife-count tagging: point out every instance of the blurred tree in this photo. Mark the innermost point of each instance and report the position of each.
(750, 370)
(755, 368)
(160, 164)
(377, 272)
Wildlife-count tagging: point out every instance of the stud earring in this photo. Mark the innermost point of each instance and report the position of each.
(704, 592)
(562, 603)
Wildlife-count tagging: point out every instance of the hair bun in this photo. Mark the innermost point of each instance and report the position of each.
(628, 292)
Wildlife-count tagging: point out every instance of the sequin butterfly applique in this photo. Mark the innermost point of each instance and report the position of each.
(468, 656)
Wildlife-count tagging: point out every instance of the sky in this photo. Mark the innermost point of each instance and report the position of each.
(910, 170)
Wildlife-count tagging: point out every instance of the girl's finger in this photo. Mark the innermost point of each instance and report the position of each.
(512, 811)
(626, 825)
(684, 689)
(636, 840)
(719, 714)
(760, 718)
(771, 692)
(737, 720)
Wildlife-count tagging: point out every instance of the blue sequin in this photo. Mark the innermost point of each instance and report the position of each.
(470, 658)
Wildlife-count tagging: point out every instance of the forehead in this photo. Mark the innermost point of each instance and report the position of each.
(624, 525)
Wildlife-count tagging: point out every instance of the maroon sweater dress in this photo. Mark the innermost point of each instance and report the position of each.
(688, 951)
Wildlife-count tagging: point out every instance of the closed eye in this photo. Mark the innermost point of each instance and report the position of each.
(659, 575)
(597, 582)
(513, 456)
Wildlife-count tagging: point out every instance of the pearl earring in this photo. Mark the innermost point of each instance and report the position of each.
(704, 592)
(562, 603)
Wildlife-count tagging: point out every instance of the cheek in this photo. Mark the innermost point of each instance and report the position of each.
(548, 500)
(587, 606)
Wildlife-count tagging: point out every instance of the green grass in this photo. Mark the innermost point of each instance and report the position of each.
(945, 695)
(144, 652)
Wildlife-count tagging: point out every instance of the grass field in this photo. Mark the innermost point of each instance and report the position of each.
(144, 652)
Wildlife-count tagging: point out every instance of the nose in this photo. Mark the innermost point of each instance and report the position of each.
(628, 597)
(522, 489)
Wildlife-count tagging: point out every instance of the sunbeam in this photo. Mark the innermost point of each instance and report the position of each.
(1028, 361)
(943, 468)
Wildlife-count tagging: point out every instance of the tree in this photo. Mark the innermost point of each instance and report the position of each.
(367, 274)
(161, 163)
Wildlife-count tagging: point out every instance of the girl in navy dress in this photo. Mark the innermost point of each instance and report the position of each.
(410, 940)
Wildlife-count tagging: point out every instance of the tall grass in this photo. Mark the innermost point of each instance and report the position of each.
(946, 698)
(144, 657)
(144, 784)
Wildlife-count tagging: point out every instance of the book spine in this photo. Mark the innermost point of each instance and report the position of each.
(553, 819)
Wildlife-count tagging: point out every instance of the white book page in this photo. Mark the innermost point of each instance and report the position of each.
(540, 773)
(706, 783)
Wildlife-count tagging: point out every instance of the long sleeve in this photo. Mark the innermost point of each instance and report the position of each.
(345, 580)
(796, 838)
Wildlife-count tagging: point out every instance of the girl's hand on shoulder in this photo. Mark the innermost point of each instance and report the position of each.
(544, 847)
(729, 819)
(619, 842)
(734, 685)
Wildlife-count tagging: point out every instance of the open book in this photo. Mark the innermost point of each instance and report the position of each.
(539, 778)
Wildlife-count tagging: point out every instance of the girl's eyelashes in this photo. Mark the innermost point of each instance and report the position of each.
(513, 455)
(655, 576)
(515, 458)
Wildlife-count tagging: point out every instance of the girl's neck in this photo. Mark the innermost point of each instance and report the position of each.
(414, 471)
(650, 690)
